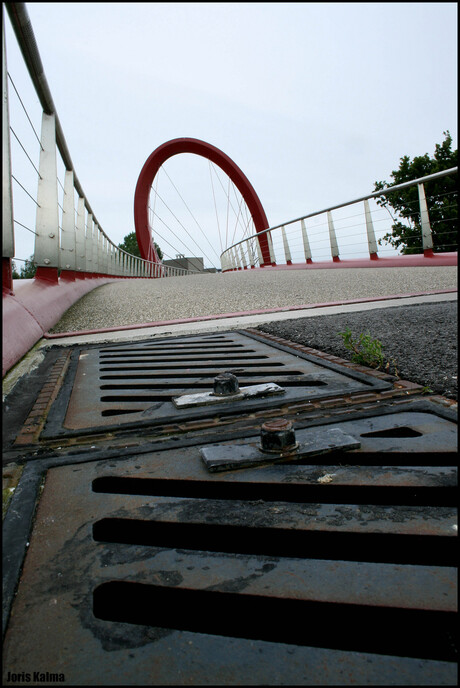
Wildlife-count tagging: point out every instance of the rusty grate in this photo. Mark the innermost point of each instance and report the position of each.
(172, 562)
(154, 570)
(136, 383)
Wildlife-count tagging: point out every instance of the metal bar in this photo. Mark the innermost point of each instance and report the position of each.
(80, 243)
(287, 252)
(332, 237)
(68, 234)
(7, 194)
(427, 238)
(23, 30)
(243, 258)
(370, 231)
(270, 249)
(306, 243)
(46, 252)
(89, 243)
(375, 194)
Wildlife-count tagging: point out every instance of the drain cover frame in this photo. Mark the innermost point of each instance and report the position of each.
(322, 379)
(62, 536)
(272, 658)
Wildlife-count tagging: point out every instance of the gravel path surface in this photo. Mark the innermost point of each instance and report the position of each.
(421, 339)
(139, 301)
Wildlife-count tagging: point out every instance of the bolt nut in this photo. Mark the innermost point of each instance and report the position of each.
(277, 436)
(225, 385)
(47, 261)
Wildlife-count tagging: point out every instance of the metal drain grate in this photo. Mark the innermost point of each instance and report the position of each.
(154, 571)
(136, 383)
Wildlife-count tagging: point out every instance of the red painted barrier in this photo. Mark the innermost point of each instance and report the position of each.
(34, 307)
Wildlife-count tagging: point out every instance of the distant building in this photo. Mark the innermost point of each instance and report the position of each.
(192, 263)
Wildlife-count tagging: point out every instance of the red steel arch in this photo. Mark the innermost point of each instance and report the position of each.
(205, 150)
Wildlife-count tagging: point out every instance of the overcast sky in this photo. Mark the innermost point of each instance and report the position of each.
(313, 101)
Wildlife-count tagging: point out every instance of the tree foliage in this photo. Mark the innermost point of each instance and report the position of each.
(131, 246)
(26, 271)
(441, 196)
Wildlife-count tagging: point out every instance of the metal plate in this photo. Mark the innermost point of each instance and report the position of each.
(153, 571)
(134, 384)
(401, 431)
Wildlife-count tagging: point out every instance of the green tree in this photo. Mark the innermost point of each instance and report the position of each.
(441, 196)
(130, 245)
(26, 271)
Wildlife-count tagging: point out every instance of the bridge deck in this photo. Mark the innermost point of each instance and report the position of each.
(132, 302)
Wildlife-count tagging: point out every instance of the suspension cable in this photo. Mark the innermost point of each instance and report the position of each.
(172, 232)
(194, 218)
(24, 189)
(228, 196)
(184, 228)
(214, 198)
(28, 156)
(23, 107)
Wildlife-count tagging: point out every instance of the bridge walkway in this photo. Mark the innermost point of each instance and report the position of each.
(249, 294)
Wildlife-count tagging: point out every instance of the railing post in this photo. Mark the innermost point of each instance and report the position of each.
(7, 194)
(332, 238)
(96, 248)
(117, 261)
(80, 243)
(68, 234)
(427, 239)
(46, 254)
(105, 245)
(370, 232)
(243, 258)
(89, 244)
(270, 248)
(287, 252)
(259, 254)
(306, 243)
(230, 259)
(251, 254)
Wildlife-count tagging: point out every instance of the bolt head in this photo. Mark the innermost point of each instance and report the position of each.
(277, 436)
(226, 384)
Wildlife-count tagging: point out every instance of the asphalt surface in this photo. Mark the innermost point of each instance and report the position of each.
(419, 342)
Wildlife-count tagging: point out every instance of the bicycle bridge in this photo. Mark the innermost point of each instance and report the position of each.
(193, 501)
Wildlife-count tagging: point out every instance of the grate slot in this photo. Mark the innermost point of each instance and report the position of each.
(222, 349)
(279, 542)
(400, 632)
(304, 493)
(191, 364)
(197, 374)
(394, 432)
(196, 382)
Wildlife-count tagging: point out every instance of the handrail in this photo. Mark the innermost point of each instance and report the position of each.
(78, 248)
(23, 30)
(234, 257)
(375, 194)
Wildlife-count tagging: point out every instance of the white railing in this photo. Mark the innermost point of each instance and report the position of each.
(69, 240)
(355, 231)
